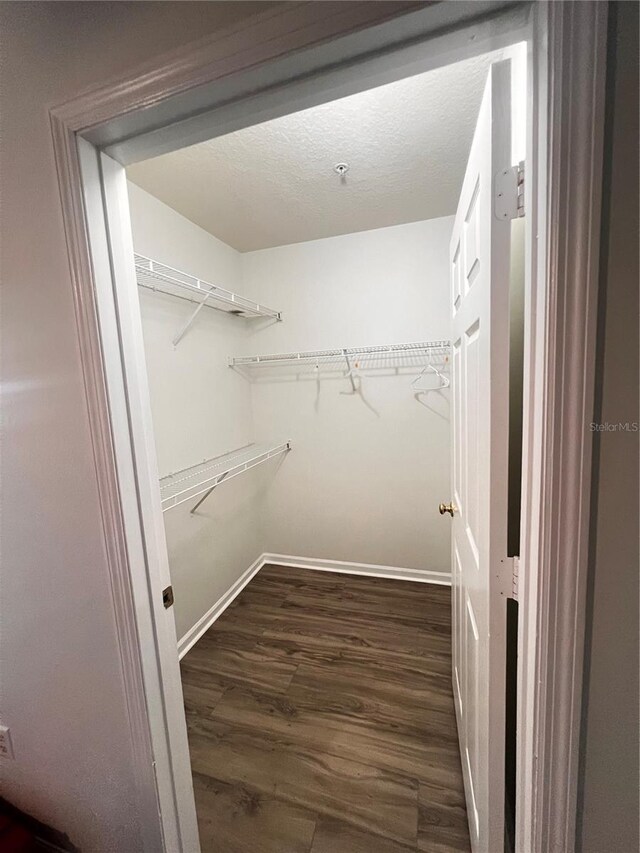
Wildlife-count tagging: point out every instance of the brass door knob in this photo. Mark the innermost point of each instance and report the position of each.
(450, 508)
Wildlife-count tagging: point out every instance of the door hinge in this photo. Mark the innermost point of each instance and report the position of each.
(509, 192)
(514, 577)
(167, 597)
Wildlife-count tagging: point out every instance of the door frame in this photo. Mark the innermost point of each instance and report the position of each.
(288, 57)
(559, 381)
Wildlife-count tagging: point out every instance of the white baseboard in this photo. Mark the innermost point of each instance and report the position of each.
(205, 622)
(394, 572)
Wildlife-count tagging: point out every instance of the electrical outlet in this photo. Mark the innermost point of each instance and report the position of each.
(6, 747)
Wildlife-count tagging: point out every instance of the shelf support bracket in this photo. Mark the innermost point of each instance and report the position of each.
(349, 372)
(208, 492)
(183, 331)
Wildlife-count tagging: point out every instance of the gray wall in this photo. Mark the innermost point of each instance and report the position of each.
(61, 687)
(608, 816)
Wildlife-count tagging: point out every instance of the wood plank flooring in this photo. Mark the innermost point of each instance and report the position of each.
(321, 720)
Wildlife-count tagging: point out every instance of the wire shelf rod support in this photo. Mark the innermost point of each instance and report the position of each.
(161, 278)
(203, 478)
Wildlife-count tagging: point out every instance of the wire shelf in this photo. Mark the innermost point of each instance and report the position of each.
(165, 279)
(373, 356)
(189, 483)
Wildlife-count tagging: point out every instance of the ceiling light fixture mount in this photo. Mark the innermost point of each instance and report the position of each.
(341, 169)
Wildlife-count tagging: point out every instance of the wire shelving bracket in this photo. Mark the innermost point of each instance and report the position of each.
(201, 479)
(161, 278)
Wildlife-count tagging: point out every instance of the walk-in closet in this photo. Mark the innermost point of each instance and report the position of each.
(298, 290)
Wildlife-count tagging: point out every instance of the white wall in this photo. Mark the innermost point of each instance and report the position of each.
(200, 408)
(61, 688)
(199, 405)
(357, 486)
(326, 499)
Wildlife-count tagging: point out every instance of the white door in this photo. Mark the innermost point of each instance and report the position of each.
(480, 362)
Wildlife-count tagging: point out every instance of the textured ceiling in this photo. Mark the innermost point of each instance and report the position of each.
(406, 144)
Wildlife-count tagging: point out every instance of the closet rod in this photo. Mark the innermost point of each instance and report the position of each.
(405, 350)
(173, 282)
(203, 478)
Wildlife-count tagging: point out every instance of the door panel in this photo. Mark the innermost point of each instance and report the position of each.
(471, 240)
(470, 415)
(457, 628)
(479, 256)
(472, 646)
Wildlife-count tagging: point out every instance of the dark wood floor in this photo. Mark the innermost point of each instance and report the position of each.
(321, 719)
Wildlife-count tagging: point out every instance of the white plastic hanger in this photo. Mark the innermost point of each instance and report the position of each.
(445, 382)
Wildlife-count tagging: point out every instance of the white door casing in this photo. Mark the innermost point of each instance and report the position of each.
(567, 54)
(479, 255)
